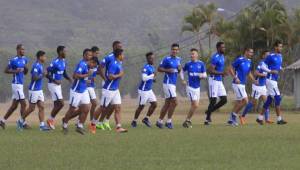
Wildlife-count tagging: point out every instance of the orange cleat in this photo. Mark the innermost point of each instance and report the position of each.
(269, 122)
(50, 123)
(92, 128)
(242, 120)
(121, 130)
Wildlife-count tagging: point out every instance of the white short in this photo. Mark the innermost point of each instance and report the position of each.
(76, 99)
(92, 93)
(239, 91)
(272, 88)
(55, 91)
(216, 88)
(169, 90)
(146, 96)
(35, 96)
(110, 97)
(193, 94)
(258, 91)
(17, 91)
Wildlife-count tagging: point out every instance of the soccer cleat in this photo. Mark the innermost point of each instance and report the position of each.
(208, 118)
(281, 122)
(134, 124)
(44, 128)
(2, 124)
(92, 128)
(169, 125)
(242, 120)
(19, 125)
(261, 122)
(50, 123)
(100, 126)
(147, 122)
(187, 124)
(121, 130)
(232, 123)
(65, 130)
(106, 126)
(206, 123)
(269, 122)
(159, 125)
(80, 130)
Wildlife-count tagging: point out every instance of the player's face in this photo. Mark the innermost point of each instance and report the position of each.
(278, 49)
(21, 51)
(194, 55)
(174, 51)
(96, 54)
(92, 64)
(265, 55)
(249, 53)
(121, 57)
(150, 59)
(88, 55)
(118, 46)
(222, 48)
(43, 58)
(63, 53)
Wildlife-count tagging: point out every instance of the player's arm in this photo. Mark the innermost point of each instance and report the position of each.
(203, 74)
(234, 76)
(258, 74)
(100, 71)
(9, 70)
(116, 76)
(79, 75)
(66, 76)
(146, 77)
(212, 70)
(25, 69)
(250, 75)
(165, 70)
(36, 76)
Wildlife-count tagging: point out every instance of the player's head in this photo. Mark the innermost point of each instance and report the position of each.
(95, 51)
(278, 46)
(117, 45)
(41, 56)
(119, 54)
(61, 51)
(150, 58)
(93, 62)
(194, 54)
(20, 50)
(220, 47)
(264, 54)
(248, 52)
(174, 49)
(87, 54)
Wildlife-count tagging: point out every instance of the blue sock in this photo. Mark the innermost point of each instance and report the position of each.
(267, 114)
(247, 109)
(233, 116)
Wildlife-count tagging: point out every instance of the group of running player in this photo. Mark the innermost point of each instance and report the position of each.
(83, 98)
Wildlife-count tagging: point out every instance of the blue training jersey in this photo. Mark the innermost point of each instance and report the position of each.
(36, 70)
(114, 68)
(106, 61)
(170, 62)
(218, 61)
(80, 85)
(92, 77)
(57, 69)
(242, 67)
(148, 69)
(194, 68)
(259, 68)
(18, 62)
(274, 62)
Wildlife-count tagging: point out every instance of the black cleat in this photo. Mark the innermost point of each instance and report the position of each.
(261, 122)
(187, 124)
(206, 122)
(80, 130)
(2, 124)
(281, 122)
(208, 117)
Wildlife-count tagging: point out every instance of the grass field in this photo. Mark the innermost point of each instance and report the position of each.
(214, 147)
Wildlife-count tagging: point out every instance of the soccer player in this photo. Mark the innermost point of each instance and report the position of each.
(259, 90)
(17, 66)
(196, 70)
(110, 91)
(145, 91)
(274, 63)
(36, 95)
(79, 96)
(240, 69)
(171, 66)
(216, 71)
(91, 83)
(55, 73)
(103, 123)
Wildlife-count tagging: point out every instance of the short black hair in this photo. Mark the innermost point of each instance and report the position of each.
(60, 48)
(247, 49)
(95, 59)
(118, 52)
(276, 44)
(40, 53)
(174, 45)
(193, 49)
(218, 45)
(265, 51)
(86, 50)
(149, 54)
(94, 49)
(116, 43)
(19, 46)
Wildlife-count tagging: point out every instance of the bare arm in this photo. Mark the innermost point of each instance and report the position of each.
(212, 70)
(115, 76)
(164, 70)
(100, 71)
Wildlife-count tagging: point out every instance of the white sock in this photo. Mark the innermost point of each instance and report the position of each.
(42, 124)
(260, 117)
(51, 118)
(2, 120)
(169, 121)
(21, 120)
(80, 125)
(100, 123)
(279, 118)
(160, 121)
(147, 117)
(94, 121)
(118, 125)
(65, 125)
(106, 120)
(135, 120)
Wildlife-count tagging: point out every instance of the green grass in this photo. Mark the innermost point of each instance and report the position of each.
(214, 147)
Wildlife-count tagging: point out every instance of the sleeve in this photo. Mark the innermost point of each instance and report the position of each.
(51, 67)
(235, 63)
(185, 67)
(163, 63)
(144, 70)
(203, 68)
(263, 66)
(10, 63)
(268, 60)
(26, 60)
(103, 62)
(214, 60)
(79, 69)
(112, 69)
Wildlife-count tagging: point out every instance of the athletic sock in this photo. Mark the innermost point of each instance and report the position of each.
(21, 120)
(233, 116)
(80, 125)
(279, 118)
(65, 125)
(100, 123)
(106, 120)
(51, 117)
(267, 114)
(169, 121)
(94, 121)
(135, 120)
(119, 125)
(147, 117)
(42, 124)
(160, 121)
(247, 109)
(2, 120)
(260, 117)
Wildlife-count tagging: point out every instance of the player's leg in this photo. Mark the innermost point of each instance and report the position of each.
(93, 108)
(84, 111)
(241, 101)
(267, 112)
(58, 103)
(10, 110)
(221, 93)
(163, 113)
(150, 111)
(171, 110)
(188, 123)
(136, 115)
(41, 107)
(27, 112)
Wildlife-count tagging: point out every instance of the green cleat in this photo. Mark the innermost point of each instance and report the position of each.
(106, 126)
(100, 126)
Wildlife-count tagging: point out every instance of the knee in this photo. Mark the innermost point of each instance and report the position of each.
(61, 104)
(195, 105)
(277, 99)
(174, 103)
(224, 99)
(94, 103)
(268, 102)
(154, 105)
(212, 100)
(41, 108)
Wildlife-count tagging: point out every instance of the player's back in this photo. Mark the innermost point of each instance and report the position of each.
(36, 70)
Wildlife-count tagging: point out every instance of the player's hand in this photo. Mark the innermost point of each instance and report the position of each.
(274, 72)
(183, 82)
(88, 81)
(237, 80)
(91, 71)
(170, 70)
(121, 74)
(19, 70)
(57, 82)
